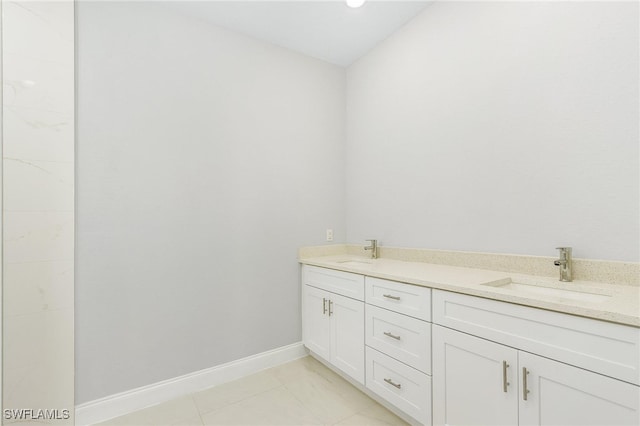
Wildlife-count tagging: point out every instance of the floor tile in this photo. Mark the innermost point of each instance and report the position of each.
(328, 396)
(229, 393)
(342, 386)
(275, 407)
(302, 392)
(196, 421)
(172, 412)
(293, 370)
(375, 415)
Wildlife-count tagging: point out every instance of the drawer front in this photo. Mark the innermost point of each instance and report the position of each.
(606, 348)
(405, 387)
(344, 283)
(407, 299)
(399, 336)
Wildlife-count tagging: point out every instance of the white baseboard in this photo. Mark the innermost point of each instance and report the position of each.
(136, 399)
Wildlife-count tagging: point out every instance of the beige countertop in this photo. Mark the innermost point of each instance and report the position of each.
(608, 302)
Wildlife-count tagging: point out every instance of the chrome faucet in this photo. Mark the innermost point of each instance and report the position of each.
(564, 263)
(373, 247)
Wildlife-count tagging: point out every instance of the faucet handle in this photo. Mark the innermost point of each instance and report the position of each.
(566, 269)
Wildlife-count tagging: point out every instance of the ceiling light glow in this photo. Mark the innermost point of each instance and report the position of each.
(355, 3)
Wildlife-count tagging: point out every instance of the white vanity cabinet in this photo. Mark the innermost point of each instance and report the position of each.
(496, 382)
(448, 358)
(392, 331)
(332, 323)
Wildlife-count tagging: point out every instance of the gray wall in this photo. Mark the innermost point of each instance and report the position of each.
(204, 160)
(499, 127)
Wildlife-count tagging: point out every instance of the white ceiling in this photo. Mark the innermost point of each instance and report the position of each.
(327, 30)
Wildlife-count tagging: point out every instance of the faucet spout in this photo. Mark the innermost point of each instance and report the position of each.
(373, 247)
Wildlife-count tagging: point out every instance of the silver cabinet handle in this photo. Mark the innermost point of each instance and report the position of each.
(525, 391)
(388, 296)
(504, 376)
(330, 308)
(386, 333)
(397, 385)
(324, 306)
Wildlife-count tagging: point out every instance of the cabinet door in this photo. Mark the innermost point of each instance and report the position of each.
(347, 335)
(560, 394)
(474, 380)
(316, 320)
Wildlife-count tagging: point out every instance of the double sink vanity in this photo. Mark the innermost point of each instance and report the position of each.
(442, 344)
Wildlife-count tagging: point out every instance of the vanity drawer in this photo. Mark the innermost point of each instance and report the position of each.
(403, 386)
(344, 283)
(404, 338)
(599, 346)
(407, 299)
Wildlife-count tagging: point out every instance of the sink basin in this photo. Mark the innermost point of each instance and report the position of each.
(558, 293)
(354, 262)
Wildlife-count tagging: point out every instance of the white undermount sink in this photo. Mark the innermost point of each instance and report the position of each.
(557, 293)
(352, 262)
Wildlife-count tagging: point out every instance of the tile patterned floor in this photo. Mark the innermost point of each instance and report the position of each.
(302, 392)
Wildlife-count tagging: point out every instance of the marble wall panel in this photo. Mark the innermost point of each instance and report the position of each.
(38, 210)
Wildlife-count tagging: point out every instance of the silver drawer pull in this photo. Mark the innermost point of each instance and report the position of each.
(324, 306)
(504, 376)
(393, 336)
(388, 296)
(397, 385)
(525, 391)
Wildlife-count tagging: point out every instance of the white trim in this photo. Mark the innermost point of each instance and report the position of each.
(136, 399)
